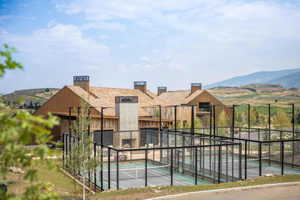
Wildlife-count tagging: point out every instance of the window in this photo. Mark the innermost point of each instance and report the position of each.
(204, 106)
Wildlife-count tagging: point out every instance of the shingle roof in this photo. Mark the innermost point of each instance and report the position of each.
(178, 97)
(174, 97)
(105, 97)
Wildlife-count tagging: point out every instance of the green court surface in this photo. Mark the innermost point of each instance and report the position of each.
(132, 175)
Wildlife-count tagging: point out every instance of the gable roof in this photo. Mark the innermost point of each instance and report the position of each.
(105, 97)
(180, 97)
(98, 97)
(174, 97)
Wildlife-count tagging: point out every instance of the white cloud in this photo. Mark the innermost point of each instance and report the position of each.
(56, 52)
(220, 20)
(175, 41)
(66, 40)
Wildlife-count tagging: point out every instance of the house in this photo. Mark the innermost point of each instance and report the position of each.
(65, 103)
(200, 99)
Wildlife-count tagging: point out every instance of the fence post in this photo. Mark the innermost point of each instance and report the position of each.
(196, 166)
(246, 153)
(109, 172)
(192, 120)
(68, 138)
(233, 121)
(219, 164)
(171, 167)
(249, 119)
(95, 169)
(293, 129)
(240, 161)
(175, 118)
(210, 121)
(146, 170)
(259, 157)
(282, 157)
(66, 150)
(63, 155)
(117, 170)
(160, 134)
(214, 120)
(89, 145)
(101, 165)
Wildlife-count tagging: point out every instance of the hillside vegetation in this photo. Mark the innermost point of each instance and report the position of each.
(30, 97)
(257, 94)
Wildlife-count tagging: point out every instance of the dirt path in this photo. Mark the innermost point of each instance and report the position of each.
(291, 192)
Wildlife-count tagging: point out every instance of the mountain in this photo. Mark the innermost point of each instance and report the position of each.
(288, 81)
(287, 78)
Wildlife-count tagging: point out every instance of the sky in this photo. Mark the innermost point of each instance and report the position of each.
(164, 42)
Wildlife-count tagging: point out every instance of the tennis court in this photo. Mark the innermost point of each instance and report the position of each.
(230, 163)
(181, 158)
(132, 175)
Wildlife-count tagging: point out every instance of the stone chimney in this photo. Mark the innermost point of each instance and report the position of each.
(161, 90)
(195, 87)
(82, 81)
(140, 85)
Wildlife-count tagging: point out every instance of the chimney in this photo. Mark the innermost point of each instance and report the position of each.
(195, 87)
(161, 90)
(140, 85)
(82, 81)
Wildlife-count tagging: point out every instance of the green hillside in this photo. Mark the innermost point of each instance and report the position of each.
(257, 94)
(30, 98)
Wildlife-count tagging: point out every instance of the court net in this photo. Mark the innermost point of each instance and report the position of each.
(138, 172)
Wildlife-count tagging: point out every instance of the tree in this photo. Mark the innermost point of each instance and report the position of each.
(17, 130)
(6, 60)
(239, 119)
(257, 119)
(81, 159)
(198, 122)
(281, 120)
(297, 118)
(222, 121)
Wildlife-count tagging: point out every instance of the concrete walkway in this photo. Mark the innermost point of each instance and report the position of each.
(280, 192)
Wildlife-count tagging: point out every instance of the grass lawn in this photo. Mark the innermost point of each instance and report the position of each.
(66, 188)
(62, 184)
